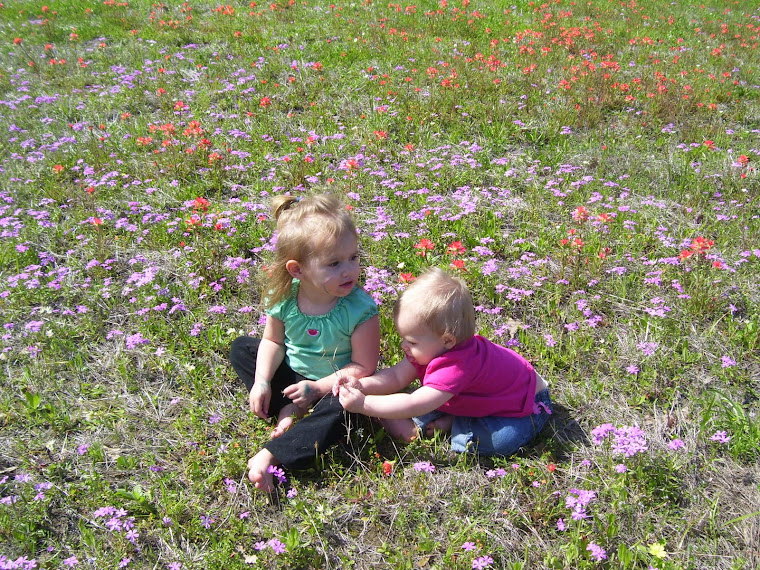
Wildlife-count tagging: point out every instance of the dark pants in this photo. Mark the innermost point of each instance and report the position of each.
(308, 437)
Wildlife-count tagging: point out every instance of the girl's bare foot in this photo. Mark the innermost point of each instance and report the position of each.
(257, 470)
(405, 430)
(443, 424)
(288, 414)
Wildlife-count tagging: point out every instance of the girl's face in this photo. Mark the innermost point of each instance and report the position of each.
(335, 271)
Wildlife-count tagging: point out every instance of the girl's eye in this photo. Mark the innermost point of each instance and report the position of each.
(334, 264)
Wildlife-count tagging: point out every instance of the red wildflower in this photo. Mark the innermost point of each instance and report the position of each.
(387, 468)
(455, 248)
(17, 41)
(458, 264)
(201, 204)
(406, 277)
(424, 245)
(265, 102)
(580, 214)
(700, 245)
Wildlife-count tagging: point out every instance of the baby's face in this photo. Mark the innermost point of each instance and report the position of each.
(419, 342)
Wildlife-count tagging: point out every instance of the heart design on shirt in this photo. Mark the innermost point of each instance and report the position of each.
(312, 332)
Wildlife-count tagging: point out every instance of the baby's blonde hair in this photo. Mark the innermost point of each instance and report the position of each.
(305, 226)
(441, 302)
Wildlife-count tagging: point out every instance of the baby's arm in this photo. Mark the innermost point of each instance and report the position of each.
(270, 355)
(393, 406)
(365, 352)
(387, 381)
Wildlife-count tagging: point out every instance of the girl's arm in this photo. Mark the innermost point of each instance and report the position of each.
(365, 352)
(270, 356)
(394, 406)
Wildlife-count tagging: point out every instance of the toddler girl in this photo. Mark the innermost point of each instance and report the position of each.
(320, 325)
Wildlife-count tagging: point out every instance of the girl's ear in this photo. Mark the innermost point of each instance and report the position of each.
(449, 341)
(294, 268)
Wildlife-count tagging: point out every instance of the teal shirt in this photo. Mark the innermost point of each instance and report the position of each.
(313, 342)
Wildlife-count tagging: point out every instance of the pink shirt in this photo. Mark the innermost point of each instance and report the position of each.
(485, 378)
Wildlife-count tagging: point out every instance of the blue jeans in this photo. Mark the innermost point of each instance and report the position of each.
(494, 435)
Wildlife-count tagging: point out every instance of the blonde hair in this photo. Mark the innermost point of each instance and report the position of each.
(441, 302)
(305, 226)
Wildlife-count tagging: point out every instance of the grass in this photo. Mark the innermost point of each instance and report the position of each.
(596, 160)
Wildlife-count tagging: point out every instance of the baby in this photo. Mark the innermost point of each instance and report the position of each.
(489, 397)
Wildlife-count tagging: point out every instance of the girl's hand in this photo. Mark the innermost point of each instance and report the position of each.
(351, 398)
(303, 394)
(259, 398)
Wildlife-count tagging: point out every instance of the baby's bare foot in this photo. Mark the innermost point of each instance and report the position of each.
(258, 472)
(443, 424)
(405, 430)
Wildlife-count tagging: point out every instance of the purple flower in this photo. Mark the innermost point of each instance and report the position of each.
(276, 545)
(727, 362)
(626, 440)
(82, 449)
(71, 561)
(292, 493)
(207, 521)
(597, 552)
(560, 524)
(632, 369)
(174, 566)
(676, 444)
(482, 562)
(621, 468)
(214, 419)
(647, 348)
(467, 546)
(720, 437)
(124, 562)
(424, 466)
(278, 473)
(135, 340)
(577, 501)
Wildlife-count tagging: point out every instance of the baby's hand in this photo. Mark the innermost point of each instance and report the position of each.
(303, 394)
(344, 380)
(351, 398)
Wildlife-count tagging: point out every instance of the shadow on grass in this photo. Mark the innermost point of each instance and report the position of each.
(369, 446)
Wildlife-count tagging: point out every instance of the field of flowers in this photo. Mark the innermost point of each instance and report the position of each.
(590, 167)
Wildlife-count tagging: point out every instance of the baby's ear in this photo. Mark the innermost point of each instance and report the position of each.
(294, 268)
(449, 341)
